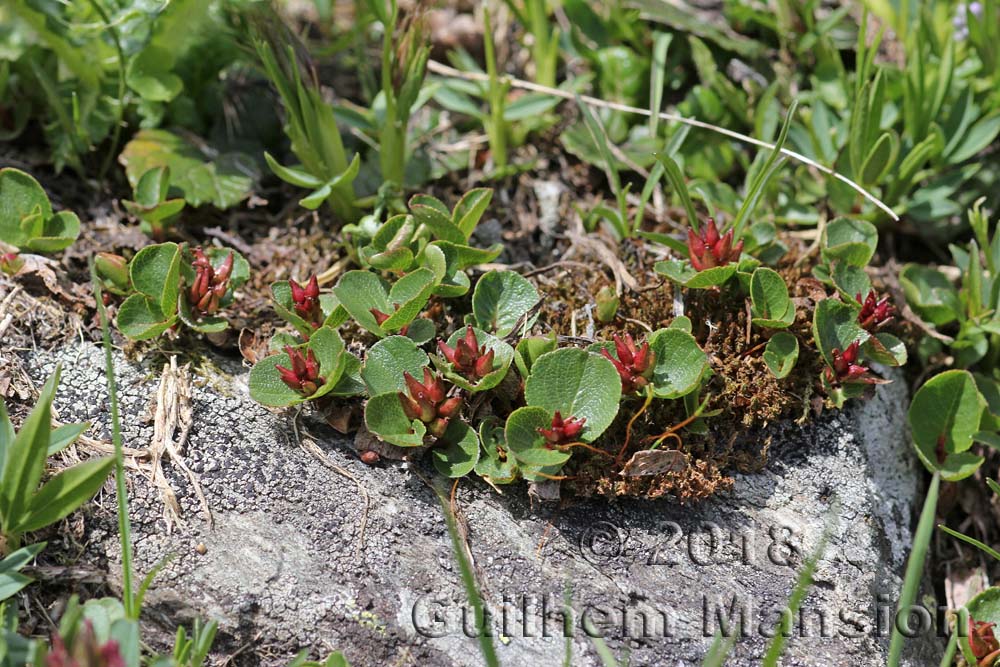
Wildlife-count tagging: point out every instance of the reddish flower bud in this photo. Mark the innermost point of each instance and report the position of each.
(708, 249)
(370, 457)
(562, 431)
(210, 285)
(469, 359)
(846, 369)
(85, 651)
(875, 313)
(634, 365)
(381, 317)
(305, 300)
(982, 641)
(303, 377)
(427, 402)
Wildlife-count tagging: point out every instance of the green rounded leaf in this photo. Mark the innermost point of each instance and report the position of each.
(20, 196)
(681, 272)
(456, 453)
(985, 607)
(526, 443)
(155, 271)
(140, 318)
(501, 299)
(495, 463)
(850, 241)
(781, 353)
(885, 349)
(944, 416)
(850, 281)
(387, 360)
(385, 418)
(835, 325)
(680, 363)
(576, 383)
(930, 294)
(771, 306)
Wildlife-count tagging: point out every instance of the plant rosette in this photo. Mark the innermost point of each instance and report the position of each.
(713, 259)
(403, 418)
(305, 307)
(385, 309)
(27, 220)
(473, 359)
(172, 283)
(673, 367)
(570, 393)
(322, 366)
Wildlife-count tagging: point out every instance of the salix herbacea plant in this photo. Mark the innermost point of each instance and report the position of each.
(27, 503)
(149, 203)
(27, 221)
(174, 283)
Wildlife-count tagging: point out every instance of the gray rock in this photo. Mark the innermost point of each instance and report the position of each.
(284, 569)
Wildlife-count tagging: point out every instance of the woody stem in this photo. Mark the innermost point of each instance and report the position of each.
(628, 428)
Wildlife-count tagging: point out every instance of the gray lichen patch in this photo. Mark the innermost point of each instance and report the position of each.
(282, 569)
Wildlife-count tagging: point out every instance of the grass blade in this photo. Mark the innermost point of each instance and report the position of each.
(719, 650)
(471, 588)
(970, 540)
(915, 566)
(124, 526)
(673, 173)
(763, 176)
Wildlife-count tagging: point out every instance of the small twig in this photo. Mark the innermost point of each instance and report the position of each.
(628, 428)
(444, 70)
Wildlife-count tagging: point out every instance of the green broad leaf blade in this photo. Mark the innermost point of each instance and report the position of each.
(387, 360)
(160, 212)
(680, 363)
(350, 383)
(885, 349)
(409, 296)
(850, 241)
(63, 436)
(985, 607)
(18, 559)
(714, 277)
(577, 384)
(930, 294)
(266, 386)
(26, 456)
(155, 271)
(361, 291)
(944, 415)
(65, 492)
(201, 174)
(432, 202)
(149, 74)
(781, 353)
(501, 300)
(979, 137)
(470, 209)
(456, 453)
(152, 187)
(503, 355)
(835, 325)
(385, 418)
(676, 270)
(771, 306)
(526, 443)
(20, 196)
(296, 175)
(330, 352)
(58, 233)
(850, 281)
(462, 257)
(421, 330)
(439, 224)
(140, 318)
(529, 349)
